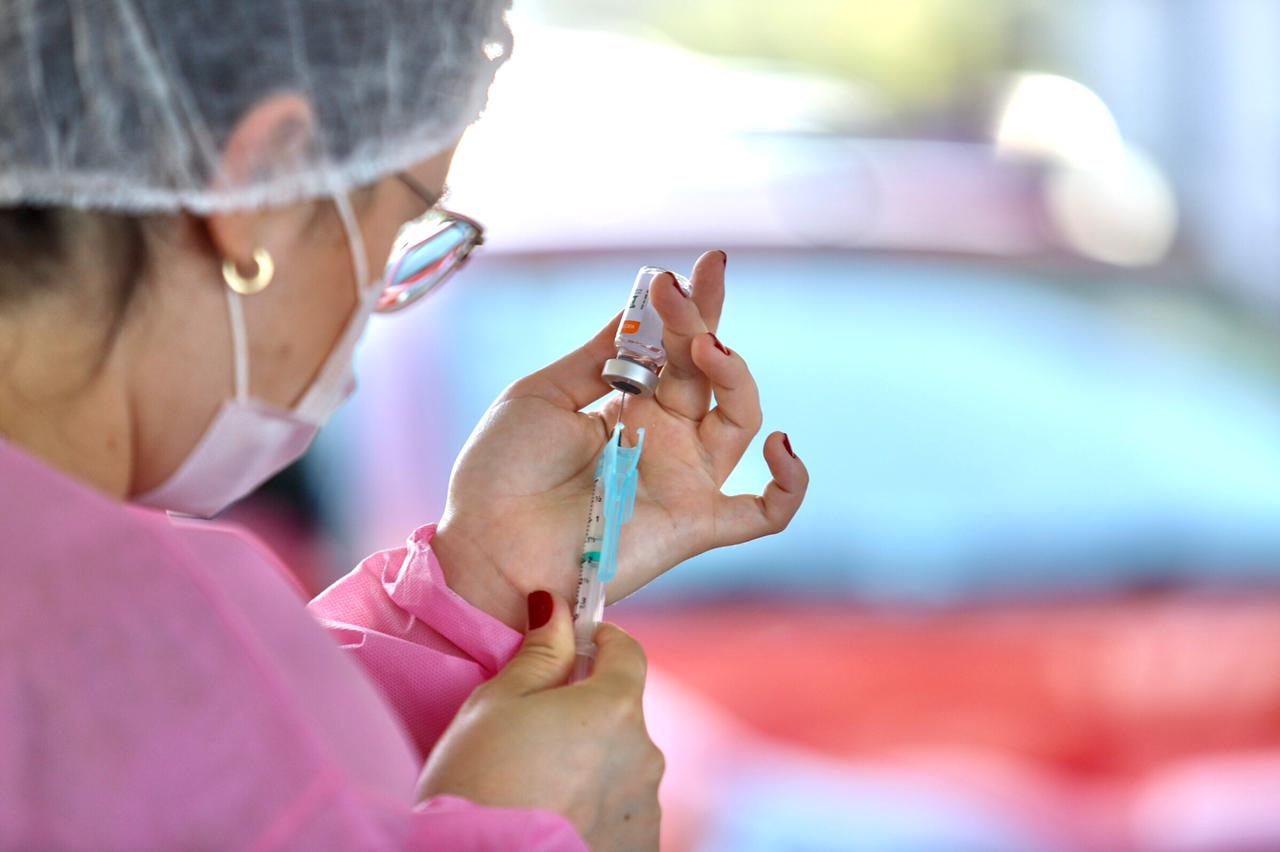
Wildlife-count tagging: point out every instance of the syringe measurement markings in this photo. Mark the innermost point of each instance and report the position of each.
(591, 546)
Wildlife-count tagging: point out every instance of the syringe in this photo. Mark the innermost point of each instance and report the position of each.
(634, 370)
(588, 608)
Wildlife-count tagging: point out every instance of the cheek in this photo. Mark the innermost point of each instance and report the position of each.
(283, 352)
(379, 239)
(329, 292)
(300, 326)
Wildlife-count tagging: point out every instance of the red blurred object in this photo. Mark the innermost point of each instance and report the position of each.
(1108, 689)
(1149, 724)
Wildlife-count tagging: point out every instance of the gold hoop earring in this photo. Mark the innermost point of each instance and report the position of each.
(258, 281)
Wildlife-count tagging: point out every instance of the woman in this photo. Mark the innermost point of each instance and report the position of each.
(191, 199)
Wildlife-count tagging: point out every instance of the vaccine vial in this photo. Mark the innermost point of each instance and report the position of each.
(639, 340)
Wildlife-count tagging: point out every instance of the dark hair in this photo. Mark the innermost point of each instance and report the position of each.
(43, 251)
(29, 239)
(39, 244)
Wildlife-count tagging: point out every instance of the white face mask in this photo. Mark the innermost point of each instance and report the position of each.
(249, 441)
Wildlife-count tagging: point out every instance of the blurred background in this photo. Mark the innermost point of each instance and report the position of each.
(1007, 273)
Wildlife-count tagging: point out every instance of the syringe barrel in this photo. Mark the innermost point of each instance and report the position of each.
(582, 666)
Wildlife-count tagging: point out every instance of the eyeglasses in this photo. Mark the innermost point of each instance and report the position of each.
(427, 251)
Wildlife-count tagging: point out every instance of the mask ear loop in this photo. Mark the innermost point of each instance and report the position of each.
(239, 345)
(355, 240)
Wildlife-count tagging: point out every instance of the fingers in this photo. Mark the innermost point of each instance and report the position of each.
(745, 517)
(546, 657)
(708, 287)
(620, 661)
(729, 428)
(684, 390)
(573, 382)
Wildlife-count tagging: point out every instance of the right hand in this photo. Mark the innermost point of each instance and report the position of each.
(524, 740)
(521, 485)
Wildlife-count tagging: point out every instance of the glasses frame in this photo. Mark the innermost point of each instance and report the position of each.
(448, 218)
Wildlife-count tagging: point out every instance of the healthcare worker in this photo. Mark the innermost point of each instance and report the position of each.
(196, 199)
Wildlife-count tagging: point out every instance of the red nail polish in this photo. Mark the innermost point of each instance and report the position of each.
(719, 345)
(541, 605)
(724, 257)
(679, 289)
(786, 442)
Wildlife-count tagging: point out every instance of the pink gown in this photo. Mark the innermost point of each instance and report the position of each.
(162, 686)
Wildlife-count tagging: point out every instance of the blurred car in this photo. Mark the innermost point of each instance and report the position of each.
(973, 430)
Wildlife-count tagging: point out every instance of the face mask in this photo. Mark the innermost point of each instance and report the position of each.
(249, 441)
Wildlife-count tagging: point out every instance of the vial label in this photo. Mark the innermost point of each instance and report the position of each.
(640, 333)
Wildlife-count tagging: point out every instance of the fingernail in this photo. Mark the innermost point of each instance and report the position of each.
(724, 257)
(719, 345)
(679, 289)
(786, 442)
(541, 605)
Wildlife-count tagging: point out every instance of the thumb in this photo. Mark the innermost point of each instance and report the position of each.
(574, 381)
(546, 657)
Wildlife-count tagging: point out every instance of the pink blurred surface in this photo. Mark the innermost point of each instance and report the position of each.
(1151, 723)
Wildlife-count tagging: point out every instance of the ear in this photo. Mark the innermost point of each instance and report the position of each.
(273, 137)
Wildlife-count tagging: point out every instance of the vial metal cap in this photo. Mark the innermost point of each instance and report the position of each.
(630, 377)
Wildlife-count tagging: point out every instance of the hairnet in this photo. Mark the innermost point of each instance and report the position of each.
(129, 104)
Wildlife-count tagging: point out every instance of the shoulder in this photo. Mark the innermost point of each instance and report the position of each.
(149, 690)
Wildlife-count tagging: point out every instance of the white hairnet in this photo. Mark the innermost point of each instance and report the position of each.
(128, 104)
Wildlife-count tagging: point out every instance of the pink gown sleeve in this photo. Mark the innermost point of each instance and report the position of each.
(426, 649)
(424, 646)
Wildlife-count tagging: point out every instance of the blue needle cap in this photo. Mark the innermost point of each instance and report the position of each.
(618, 470)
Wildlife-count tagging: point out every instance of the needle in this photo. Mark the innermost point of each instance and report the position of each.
(621, 408)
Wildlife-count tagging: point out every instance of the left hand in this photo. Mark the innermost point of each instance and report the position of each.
(520, 490)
